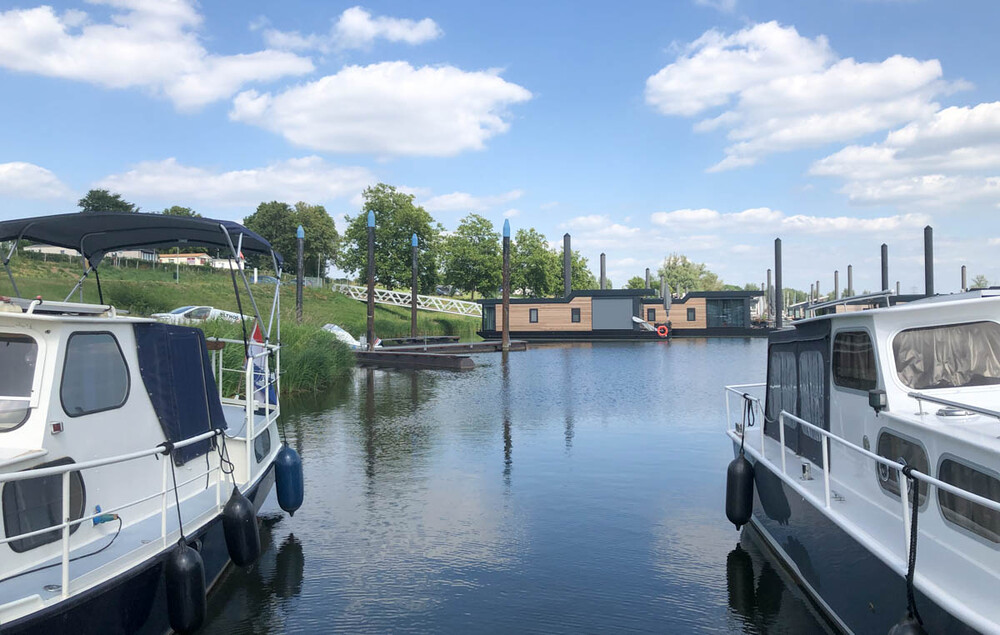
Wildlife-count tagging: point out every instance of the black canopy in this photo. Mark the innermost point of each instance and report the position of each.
(94, 234)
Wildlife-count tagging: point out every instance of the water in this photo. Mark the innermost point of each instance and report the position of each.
(577, 488)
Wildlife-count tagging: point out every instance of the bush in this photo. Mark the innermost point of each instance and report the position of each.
(136, 298)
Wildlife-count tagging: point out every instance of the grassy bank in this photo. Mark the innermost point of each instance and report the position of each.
(312, 358)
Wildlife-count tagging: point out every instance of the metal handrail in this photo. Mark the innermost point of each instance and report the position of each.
(921, 397)
(403, 298)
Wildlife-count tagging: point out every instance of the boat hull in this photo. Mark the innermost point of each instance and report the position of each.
(852, 586)
(136, 601)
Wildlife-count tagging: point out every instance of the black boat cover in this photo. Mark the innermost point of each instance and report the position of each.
(94, 234)
(177, 373)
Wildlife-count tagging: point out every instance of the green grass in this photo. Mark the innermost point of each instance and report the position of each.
(312, 359)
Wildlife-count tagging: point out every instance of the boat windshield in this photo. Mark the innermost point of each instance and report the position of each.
(17, 372)
(181, 310)
(948, 356)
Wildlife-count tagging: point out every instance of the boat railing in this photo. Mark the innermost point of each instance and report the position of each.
(67, 469)
(921, 398)
(741, 390)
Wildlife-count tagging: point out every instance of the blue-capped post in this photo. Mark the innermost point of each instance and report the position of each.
(371, 281)
(300, 241)
(413, 288)
(505, 337)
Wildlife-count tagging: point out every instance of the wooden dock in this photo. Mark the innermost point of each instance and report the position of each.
(393, 342)
(489, 346)
(393, 358)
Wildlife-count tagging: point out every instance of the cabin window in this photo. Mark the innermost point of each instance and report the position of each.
(812, 392)
(896, 448)
(949, 356)
(854, 361)
(782, 385)
(575, 314)
(95, 376)
(36, 503)
(650, 315)
(977, 518)
(262, 445)
(18, 355)
(533, 316)
(727, 313)
(691, 315)
(201, 313)
(489, 318)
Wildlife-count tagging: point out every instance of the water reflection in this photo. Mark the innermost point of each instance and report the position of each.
(508, 444)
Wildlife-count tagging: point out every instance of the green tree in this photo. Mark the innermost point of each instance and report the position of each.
(980, 282)
(471, 256)
(278, 223)
(105, 201)
(681, 273)
(636, 282)
(533, 264)
(583, 278)
(177, 210)
(396, 220)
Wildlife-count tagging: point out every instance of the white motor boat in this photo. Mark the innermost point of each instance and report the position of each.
(129, 482)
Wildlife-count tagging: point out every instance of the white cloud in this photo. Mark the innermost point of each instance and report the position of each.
(512, 213)
(308, 179)
(781, 91)
(389, 108)
(357, 29)
(725, 6)
(465, 202)
(764, 219)
(147, 44)
(950, 158)
(27, 180)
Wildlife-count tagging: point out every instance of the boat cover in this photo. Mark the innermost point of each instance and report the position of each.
(177, 373)
(94, 234)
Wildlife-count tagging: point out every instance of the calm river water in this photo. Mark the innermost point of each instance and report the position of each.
(576, 488)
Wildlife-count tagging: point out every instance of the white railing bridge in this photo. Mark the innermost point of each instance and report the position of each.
(402, 298)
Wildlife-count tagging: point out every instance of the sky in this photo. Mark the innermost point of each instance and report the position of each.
(702, 127)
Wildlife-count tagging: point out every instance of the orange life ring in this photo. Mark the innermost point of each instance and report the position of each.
(662, 330)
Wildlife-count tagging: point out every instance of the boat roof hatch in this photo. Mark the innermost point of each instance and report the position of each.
(802, 331)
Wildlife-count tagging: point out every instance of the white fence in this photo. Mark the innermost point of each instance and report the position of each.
(402, 298)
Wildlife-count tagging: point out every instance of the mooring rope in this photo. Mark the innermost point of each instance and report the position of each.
(168, 449)
(749, 418)
(911, 602)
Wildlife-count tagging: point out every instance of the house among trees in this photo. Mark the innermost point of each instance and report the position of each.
(186, 259)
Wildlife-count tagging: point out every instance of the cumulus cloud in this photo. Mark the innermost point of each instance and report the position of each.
(356, 28)
(781, 91)
(764, 219)
(27, 180)
(512, 213)
(465, 202)
(389, 108)
(147, 44)
(599, 231)
(309, 178)
(950, 158)
(725, 6)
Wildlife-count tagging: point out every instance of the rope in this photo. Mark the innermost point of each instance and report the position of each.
(168, 448)
(911, 603)
(227, 466)
(239, 307)
(749, 418)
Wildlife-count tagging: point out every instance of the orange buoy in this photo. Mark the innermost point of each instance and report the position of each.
(661, 330)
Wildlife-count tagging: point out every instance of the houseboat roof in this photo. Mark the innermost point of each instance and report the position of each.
(94, 234)
(646, 296)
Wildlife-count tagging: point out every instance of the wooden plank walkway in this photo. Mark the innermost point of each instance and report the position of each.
(392, 342)
(392, 358)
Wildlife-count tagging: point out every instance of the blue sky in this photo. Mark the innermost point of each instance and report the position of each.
(704, 127)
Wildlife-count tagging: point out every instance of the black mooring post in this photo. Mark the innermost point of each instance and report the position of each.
(413, 287)
(647, 278)
(965, 287)
(371, 281)
(300, 240)
(850, 280)
(779, 300)
(836, 284)
(567, 267)
(603, 273)
(505, 336)
(928, 260)
(769, 298)
(885, 267)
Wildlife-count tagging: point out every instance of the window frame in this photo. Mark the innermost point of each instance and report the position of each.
(650, 314)
(574, 315)
(924, 497)
(875, 354)
(947, 456)
(56, 534)
(62, 375)
(891, 351)
(34, 397)
(692, 315)
(533, 316)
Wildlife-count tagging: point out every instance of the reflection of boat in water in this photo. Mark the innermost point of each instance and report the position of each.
(117, 449)
(865, 413)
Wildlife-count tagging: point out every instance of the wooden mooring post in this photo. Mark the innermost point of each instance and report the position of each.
(505, 336)
(300, 239)
(413, 289)
(371, 281)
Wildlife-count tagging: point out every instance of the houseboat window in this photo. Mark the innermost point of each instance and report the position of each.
(575, 314)
(854, 361)
(783, 386)
(95, 377)
(976, 518)
(18, 354)
(489, 318)
(690, 315)
(650, 315)
(36, 503)
(896, 448)
(812, 391)
(533, 316)
(731, 313)
(948, 356)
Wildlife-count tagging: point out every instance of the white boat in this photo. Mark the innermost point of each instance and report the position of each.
(198, 314)
(860, 411)
(120, 459)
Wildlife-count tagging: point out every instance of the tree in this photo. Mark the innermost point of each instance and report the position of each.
(278, 222)
(177, 210)
(636, 282)
(105, 201)
(681, 273)
(396, 220)
(471, 256)
(980, 282)
(533, 264)
(582, 277)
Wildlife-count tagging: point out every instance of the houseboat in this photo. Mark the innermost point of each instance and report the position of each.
(625, 314)
(869, 462)
(128, 479)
